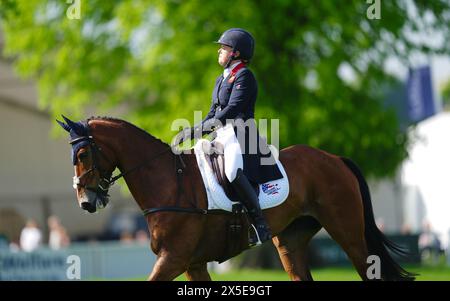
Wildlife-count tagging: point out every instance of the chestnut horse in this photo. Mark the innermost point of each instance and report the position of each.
(324, 191)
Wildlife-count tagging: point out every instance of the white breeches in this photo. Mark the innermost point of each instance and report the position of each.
(232, 151)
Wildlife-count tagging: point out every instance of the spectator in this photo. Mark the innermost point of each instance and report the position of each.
(380, 224)
(142, 237)
(14, 247)
(30, 237)
(406, 229)
(58, 237)
(126, 237)
(429, 244)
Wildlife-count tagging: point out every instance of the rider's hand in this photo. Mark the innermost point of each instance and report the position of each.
(184, 135)
(196, 131)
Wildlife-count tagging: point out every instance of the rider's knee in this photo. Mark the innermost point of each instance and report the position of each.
(231, 173)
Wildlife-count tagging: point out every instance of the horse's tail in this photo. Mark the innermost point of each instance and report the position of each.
(377, 242)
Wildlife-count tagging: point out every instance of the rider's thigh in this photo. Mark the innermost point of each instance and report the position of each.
(233, 160)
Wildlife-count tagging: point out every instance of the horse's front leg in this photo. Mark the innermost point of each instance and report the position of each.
(174, 239)
(167, 268)
(198, 272)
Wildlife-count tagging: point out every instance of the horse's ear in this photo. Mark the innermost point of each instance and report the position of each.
(73, 125)
(63, 125)
(68, 121)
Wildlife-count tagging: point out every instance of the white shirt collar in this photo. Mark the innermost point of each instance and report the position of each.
(227, 71)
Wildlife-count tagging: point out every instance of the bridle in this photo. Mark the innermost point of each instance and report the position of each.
(106, 178)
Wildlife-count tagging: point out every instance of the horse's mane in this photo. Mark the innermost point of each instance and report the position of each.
(147, 134)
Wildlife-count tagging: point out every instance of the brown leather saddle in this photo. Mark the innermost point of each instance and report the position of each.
(217, 162)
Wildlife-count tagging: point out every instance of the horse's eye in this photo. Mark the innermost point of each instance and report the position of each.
(83, 155)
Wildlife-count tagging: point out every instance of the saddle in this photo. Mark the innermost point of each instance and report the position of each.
(216, 160)
(211, 165)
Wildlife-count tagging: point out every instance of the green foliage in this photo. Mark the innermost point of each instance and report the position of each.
(151, 62)
(446, 95)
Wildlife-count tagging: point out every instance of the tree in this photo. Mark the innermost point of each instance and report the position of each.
(155, 61)
(446, 95)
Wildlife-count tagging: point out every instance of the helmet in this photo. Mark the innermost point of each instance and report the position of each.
(240, 40)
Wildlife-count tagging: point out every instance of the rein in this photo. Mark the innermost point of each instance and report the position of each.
(174, 209)
(122, 174)
(107, 180)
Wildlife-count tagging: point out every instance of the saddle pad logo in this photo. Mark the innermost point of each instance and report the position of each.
(270, 189)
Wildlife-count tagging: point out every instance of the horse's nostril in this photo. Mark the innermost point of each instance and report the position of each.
(88, 206)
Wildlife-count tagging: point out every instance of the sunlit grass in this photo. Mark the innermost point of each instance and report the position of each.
(427, 273)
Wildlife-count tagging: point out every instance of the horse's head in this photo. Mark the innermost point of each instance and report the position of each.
(92, 168)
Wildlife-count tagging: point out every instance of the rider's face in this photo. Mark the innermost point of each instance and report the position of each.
(224, 53)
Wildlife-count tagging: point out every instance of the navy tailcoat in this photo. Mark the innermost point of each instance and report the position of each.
(234, 98)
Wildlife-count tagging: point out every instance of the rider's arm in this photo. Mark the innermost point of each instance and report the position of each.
(211, 113)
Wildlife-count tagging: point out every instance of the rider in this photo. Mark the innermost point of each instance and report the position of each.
(233, 99)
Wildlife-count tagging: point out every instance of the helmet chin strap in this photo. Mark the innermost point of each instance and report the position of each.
(232, 57)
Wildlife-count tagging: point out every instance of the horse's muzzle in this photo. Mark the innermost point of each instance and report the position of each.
(88, 201)
(92, 200)
(88, 207)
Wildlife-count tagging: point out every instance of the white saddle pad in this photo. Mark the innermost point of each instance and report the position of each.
(271, 194)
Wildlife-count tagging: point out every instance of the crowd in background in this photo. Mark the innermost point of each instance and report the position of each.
(32, 237)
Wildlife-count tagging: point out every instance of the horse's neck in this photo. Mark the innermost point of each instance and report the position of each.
(139, 149)
(153, 181)
(129, 144)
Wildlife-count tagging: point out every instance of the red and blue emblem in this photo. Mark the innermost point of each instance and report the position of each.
(270, 189)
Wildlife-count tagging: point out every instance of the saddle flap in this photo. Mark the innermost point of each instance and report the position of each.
(217, 162)
(216, 159)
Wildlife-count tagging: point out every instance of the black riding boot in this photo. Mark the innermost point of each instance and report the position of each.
(249, 199)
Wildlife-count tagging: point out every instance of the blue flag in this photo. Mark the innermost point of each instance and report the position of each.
(419, 93)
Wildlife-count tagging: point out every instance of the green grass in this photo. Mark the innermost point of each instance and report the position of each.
(427, 273)
(326, 274)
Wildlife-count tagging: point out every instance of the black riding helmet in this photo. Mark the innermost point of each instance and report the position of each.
(239, 40)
